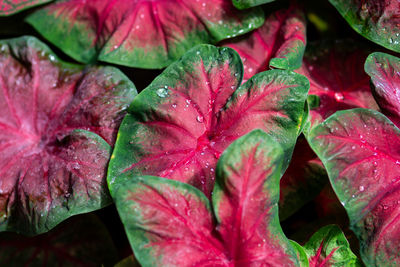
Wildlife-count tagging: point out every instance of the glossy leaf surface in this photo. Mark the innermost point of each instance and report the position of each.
(80, 241)
(57, 124)
(181, 123)
(8, 7)
(376, 20)
(360, 150)
(170, 223)
(336, 75)
(384, 70)
(279, 43)
(329, 247)
(243, 4)
(144, 34)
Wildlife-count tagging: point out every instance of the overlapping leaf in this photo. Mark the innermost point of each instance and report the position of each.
(360, 150)
(336, 75)
(178, 126)
(57, 123)
(329, 247)
(170, 223)
(243, 4)
(377, 20)
(279, 43)
(79, 241)
(144, 34)
(10, 7)
(384, 70)
(302, 181)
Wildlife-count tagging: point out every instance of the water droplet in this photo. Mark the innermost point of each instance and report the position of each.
(198, 53)
(310, 68)
(391, 40)
(250, 69)
(115, 47)
(236, 74)
(353, 147)
(52, 58)
(203, 4)
(398, 162)
(361, 188)
(353, 196)
(173, 105)
(385, 207)
(200, 118)
(375, 163)
(212, 170)
(162, 92)
(339, 96)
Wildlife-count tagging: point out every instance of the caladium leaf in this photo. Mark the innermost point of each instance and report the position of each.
(302, 181)
(180, 124)
(336, 75)
(57, 123)
(8, 7)
(329, 247)
(384, 70)
(144, 34)
(170, 223)
(243, 4)
(376, 20)
(80, 241)
(360, 150)
(279, 43)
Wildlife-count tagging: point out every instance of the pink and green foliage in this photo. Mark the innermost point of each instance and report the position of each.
(180, 124)
(10, 7)
(243, 4)
(384, 70)
(329, 248)
(360, 150)
(80, 241)
(377, 20)
(170, 223)
(145, 34)
(279, 43)
(336, 75)
(57, 123)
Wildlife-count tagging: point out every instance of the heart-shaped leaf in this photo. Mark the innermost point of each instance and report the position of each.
(243, 4)
(329, 247)
(170, 223)
(279, 43)
(376, 20)
(144, 34)
(384, 70)
(180, 124)
(57, 123)
(336, 75)
(360, 149)
(80, 241)
(11, 7)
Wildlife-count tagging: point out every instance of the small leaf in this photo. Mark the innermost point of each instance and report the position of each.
(11, 7)
(279, 43)
(170, 223)
(329, 247)
(336, 76)
(57, 122)
(360, 150)
(181, 123)
(376, 20)
(143, 34)
(243, 4)
(245, 201)
(80, 241)
(384, 70)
